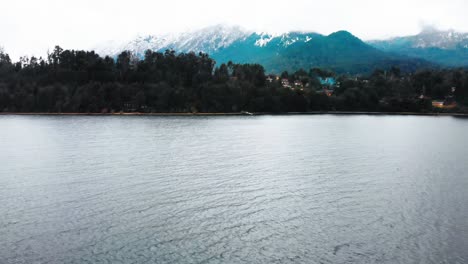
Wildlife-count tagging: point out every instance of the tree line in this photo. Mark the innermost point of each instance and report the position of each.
(84, 82)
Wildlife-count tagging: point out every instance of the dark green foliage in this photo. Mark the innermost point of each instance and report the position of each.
(81, 81)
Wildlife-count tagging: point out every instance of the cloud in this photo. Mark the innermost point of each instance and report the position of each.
(33, 26)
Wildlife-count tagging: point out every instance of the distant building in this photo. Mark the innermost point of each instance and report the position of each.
(328, 92)
(325, 91)
(298, 84)
(448, 103)
(285, 83)
(438, 104)
(329, 81)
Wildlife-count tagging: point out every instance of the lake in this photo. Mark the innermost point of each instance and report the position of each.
(233, 189)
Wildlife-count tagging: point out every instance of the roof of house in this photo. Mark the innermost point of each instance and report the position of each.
(327, 81)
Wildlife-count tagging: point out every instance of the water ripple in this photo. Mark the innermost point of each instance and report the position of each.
(295, 189)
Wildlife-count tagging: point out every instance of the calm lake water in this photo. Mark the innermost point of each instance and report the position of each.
(259, 189)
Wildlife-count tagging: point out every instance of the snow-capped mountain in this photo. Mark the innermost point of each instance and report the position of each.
(340, 51)
(446, 47)
(207, 40)
(432, 38)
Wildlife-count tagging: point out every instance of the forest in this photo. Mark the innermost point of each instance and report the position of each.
(75, 81)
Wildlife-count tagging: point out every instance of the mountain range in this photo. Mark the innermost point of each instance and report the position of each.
(447, 48)
(340, 51)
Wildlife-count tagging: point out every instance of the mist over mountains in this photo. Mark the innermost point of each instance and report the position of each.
(340, 51)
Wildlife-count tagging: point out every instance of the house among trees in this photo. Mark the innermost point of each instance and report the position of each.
(75, 81)
(326, 91)
(328, 81)
(448, 103)
(298, 84)
(285, 83)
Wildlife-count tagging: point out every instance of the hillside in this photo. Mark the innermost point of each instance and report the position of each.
(341, 51)
(448, 48)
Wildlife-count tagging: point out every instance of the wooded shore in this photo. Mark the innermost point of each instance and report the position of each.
(241, 114)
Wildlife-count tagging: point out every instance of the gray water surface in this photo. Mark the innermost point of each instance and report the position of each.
(260, 189)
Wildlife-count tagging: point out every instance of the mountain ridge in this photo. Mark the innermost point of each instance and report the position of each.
(341, 50)
(445, 47)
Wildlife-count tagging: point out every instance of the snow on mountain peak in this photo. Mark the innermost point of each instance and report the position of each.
(264, 40)
(447, 39)
(207, 39)
(210, 38)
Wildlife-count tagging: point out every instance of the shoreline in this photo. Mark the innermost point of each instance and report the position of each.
(239, 114)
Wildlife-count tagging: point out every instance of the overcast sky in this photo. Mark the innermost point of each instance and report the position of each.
(32, 26)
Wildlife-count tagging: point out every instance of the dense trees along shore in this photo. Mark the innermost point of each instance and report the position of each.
(69, 81)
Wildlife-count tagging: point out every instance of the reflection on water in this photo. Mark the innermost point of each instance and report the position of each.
(283, 189)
